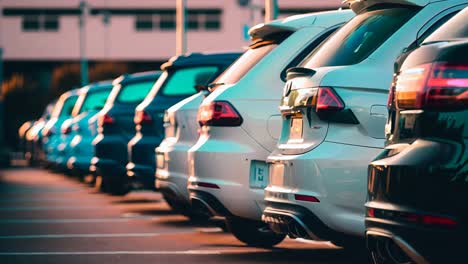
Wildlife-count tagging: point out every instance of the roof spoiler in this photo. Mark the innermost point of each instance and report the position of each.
(360, 5)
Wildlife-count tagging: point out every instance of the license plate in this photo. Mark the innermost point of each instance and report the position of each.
(296, 128)
(277, 174)
(258, 174)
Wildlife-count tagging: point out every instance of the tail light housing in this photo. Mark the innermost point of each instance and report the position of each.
(105, 119)
(328, 100)
(440, 86)
(326, 103)
(142, 117)
(410, 217)
(219, 113)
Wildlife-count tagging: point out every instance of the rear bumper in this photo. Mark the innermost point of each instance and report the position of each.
(142, 165)
(229, 170)
(332, 173)
(79, 164)
(107, 167)
(141, 175)
(421, 244)
(297, 221)
(111, 155)
(172, 172)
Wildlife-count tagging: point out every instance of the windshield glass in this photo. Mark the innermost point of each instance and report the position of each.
(455, 28)
(94, 101)
(182, 81)
(134, 93)
(244, 63)
(68, 105)
(359, 37)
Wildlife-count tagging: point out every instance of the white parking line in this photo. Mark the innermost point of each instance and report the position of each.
(117, 235)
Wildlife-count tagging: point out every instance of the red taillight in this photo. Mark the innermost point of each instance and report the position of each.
(327, 100)
(437, 220)
(105, 119)
(207, 185)
(306, 198)
(433, 86)
(370, 212)
(410, 217)
(142, 117)
(218, 113)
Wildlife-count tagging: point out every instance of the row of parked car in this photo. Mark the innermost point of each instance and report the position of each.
(369, 142)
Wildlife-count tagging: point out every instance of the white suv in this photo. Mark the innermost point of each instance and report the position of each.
(240, 123)
(334, 113)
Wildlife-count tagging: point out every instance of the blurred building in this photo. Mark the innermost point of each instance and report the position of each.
(137, 30)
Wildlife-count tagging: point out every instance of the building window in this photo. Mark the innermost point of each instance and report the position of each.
(144, 23)
(167, 22)
(197, 20)
(212, 22)
(193, 22)
(31, 23)
(51, 23)
(40, 23)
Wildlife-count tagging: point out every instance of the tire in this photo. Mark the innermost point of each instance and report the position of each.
(253, 233)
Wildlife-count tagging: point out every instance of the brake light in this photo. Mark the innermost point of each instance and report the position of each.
(306, 198)
(327, 100)
(142, 117)
(411, 217)
(105, 119)
(218, 113)
(438, 85)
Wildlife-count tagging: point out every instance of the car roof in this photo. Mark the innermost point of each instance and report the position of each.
(201, 58)
(102, 85)
(359, 6)
(137, 77)
(296, 22)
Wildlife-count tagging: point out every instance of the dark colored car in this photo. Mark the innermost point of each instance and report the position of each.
(116, 128)
(417, 210)
(181, 76)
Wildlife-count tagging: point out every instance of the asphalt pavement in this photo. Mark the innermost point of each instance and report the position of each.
(50, 218)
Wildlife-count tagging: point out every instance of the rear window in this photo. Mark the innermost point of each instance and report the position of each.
(134, 93)
(359, 37)
(182, 81)
(244, 63)
(68, 106)
(455, 28)
(95, 101)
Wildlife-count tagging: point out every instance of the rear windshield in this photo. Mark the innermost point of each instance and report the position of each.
(182, 81)
(94, 101)
(244, 63)
(134, 93)
(359, 37)
(455, 28)
(68, 106)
